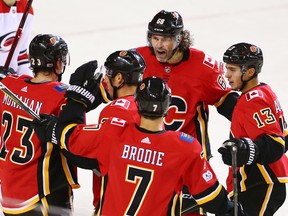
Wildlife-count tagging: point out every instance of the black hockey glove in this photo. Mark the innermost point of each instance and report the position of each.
(230, 210)
(5, 72)
(102, 96)
(45, 128)
(83, 84)
(247, 151)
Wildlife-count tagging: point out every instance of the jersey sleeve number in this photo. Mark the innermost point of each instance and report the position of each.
(269, 117)
(23, 153)
(142, 178)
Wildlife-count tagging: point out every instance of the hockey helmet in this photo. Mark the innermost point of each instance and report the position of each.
(129, 63)
(46, 49)
(166, 23)
(246, 55)
(153, 97)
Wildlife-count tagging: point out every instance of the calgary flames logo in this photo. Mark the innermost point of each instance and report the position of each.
(253, 49)
(123, 53)
(53, 40)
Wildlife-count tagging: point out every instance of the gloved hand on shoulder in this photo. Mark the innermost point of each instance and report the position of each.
(247, 151)
(45, 128)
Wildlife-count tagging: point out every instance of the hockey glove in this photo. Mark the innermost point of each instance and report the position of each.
(230, 210)
(83, 84)
(5, 72)
(247, 151)
(45, 128)
(102, 96)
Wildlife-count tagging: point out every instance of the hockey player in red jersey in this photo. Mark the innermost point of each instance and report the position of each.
(193, 76)
(142, 165)
(11, 12)
(124, 70)
(257, 131)
(35, 178)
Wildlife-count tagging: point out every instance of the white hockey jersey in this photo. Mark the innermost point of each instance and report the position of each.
(10, 18)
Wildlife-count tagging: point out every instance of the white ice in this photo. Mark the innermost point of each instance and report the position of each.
(93, 29)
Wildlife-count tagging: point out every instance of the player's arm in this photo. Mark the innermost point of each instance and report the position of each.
(227, 103)
(80, 98)
(271, 148)
(203, 184)
(73, 115)
(218, 203)
(214, 199)
(267, 149)
(221, 96)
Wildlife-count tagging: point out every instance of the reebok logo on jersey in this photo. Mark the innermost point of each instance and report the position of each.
(24, 89)
(146, 140)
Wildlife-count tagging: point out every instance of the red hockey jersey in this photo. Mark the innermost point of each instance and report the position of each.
(142, 169)
(259, 112)
(195, 83)
(124, 108)
(29, 169)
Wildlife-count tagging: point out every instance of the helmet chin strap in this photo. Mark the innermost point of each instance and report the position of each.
(60, 75)
(244, 70)
(243, 82)
(115, 94)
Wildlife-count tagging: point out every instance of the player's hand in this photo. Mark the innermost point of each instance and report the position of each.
(230, 210)
(102, 96)
(5, 72)
(247, 151)
(45, 128)
(83, 84)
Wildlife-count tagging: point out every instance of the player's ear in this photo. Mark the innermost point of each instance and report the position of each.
(119, 78)
(251, 72)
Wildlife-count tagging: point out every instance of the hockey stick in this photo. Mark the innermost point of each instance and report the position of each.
(8, 92)
(18, 34)
(190, 209)
(234, 172)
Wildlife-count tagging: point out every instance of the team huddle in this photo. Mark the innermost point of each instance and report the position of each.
(150, 149)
